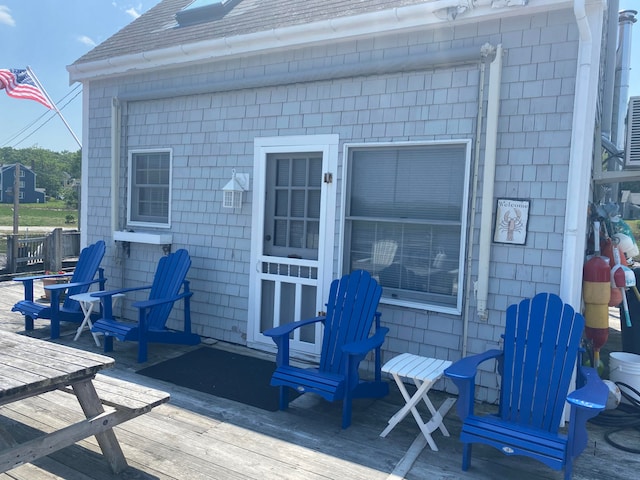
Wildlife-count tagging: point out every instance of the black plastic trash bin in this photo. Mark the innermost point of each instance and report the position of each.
(631, 335)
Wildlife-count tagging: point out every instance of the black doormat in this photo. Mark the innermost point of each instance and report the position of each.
(223, 374)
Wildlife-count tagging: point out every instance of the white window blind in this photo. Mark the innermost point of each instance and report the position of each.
(404, 219)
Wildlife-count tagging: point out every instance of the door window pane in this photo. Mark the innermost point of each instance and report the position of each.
(292, 206)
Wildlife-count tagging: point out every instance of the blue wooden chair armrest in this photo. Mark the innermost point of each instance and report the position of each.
(40, 277)
(365, 346)
(466, 368)
(463, 373)
(111, 293)
(593, 395)
(280, 336)
(588, 401)
(106, 298)
(287, 328)
(160, 301)
(64, 286)
(27, 282)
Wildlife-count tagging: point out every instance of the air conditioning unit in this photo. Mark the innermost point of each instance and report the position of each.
(632, 147)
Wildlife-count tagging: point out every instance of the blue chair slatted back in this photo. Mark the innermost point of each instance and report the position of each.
(541, 343)
(351, 308)
(85, 271)
(169, 277)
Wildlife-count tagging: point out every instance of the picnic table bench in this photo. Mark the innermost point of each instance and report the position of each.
(30, 367)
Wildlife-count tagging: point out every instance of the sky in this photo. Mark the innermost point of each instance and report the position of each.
(48, 35)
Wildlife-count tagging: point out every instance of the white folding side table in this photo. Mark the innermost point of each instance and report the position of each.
(88, 303)
(424, 372)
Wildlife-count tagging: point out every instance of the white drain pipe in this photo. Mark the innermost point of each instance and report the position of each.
(488, 180)
(581, 154)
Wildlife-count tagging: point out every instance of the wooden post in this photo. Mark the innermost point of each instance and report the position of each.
(12, 253)
(53, 251)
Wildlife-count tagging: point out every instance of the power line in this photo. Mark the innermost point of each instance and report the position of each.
(50, 113)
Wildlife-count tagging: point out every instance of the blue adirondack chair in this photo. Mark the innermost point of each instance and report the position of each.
(70, 311)
(541, 350)
(152, 313)
(351, 310)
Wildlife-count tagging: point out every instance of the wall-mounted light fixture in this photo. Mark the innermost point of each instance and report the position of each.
(232, 191)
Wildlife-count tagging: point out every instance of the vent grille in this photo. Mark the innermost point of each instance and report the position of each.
(632, 150)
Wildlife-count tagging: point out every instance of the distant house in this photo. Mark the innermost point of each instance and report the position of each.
(444, 146)
(28, 191)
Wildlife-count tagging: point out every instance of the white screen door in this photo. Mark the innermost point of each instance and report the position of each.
(292, 236)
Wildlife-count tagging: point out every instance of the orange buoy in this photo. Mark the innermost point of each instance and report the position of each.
(596, 293)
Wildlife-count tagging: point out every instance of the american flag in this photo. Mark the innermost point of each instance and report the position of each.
(19, 84)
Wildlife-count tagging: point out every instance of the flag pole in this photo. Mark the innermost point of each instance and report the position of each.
(55, 107)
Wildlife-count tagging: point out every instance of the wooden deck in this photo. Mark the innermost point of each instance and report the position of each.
(199, 436)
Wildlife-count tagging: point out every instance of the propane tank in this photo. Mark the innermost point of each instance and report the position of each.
(596, 293)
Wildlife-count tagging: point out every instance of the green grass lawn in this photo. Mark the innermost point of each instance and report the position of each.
(49, 214)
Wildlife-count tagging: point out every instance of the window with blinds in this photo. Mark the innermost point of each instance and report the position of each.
(405, 219)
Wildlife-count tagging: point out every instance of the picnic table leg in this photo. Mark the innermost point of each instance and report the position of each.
(91, 406)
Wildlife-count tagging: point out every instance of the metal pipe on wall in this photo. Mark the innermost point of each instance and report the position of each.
(491, 145)
(623, 71)
(474, 201)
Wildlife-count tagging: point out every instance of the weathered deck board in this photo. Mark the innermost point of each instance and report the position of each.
(198, 436)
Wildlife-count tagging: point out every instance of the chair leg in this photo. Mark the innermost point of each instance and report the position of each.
(142, 351)
(568, 468)
(466, 456)
(28, 322)
(108, 343)
(55, 328)
(346, 412)
(284, 397)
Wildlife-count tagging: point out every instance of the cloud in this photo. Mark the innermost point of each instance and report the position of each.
(5, 16)
(132, 12)
(86, 41)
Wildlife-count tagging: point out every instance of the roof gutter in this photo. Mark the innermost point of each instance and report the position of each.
(436, 12)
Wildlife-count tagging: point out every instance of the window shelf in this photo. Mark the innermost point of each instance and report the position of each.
(143, 237)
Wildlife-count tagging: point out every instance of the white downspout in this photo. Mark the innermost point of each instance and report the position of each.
(115, 163)
(493, 111)
(581, 153)
(84, 172)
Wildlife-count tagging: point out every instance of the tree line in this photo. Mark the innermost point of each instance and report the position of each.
(50, 167)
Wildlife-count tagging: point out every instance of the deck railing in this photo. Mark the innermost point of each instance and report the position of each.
(50, 250)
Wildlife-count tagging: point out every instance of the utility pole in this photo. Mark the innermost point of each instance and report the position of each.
(16, 198)
(16, 208)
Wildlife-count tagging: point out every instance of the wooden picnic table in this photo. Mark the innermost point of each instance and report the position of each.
(30, 367)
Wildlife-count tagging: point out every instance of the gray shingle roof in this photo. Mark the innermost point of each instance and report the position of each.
(157, 28)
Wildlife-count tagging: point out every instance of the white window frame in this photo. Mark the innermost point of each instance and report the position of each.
(388, 300)
(130, 186)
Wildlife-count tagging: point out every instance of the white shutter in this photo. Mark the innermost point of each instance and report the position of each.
(632, 149)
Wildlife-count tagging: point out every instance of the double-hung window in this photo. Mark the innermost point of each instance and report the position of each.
(405, 220)
(149, 193)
